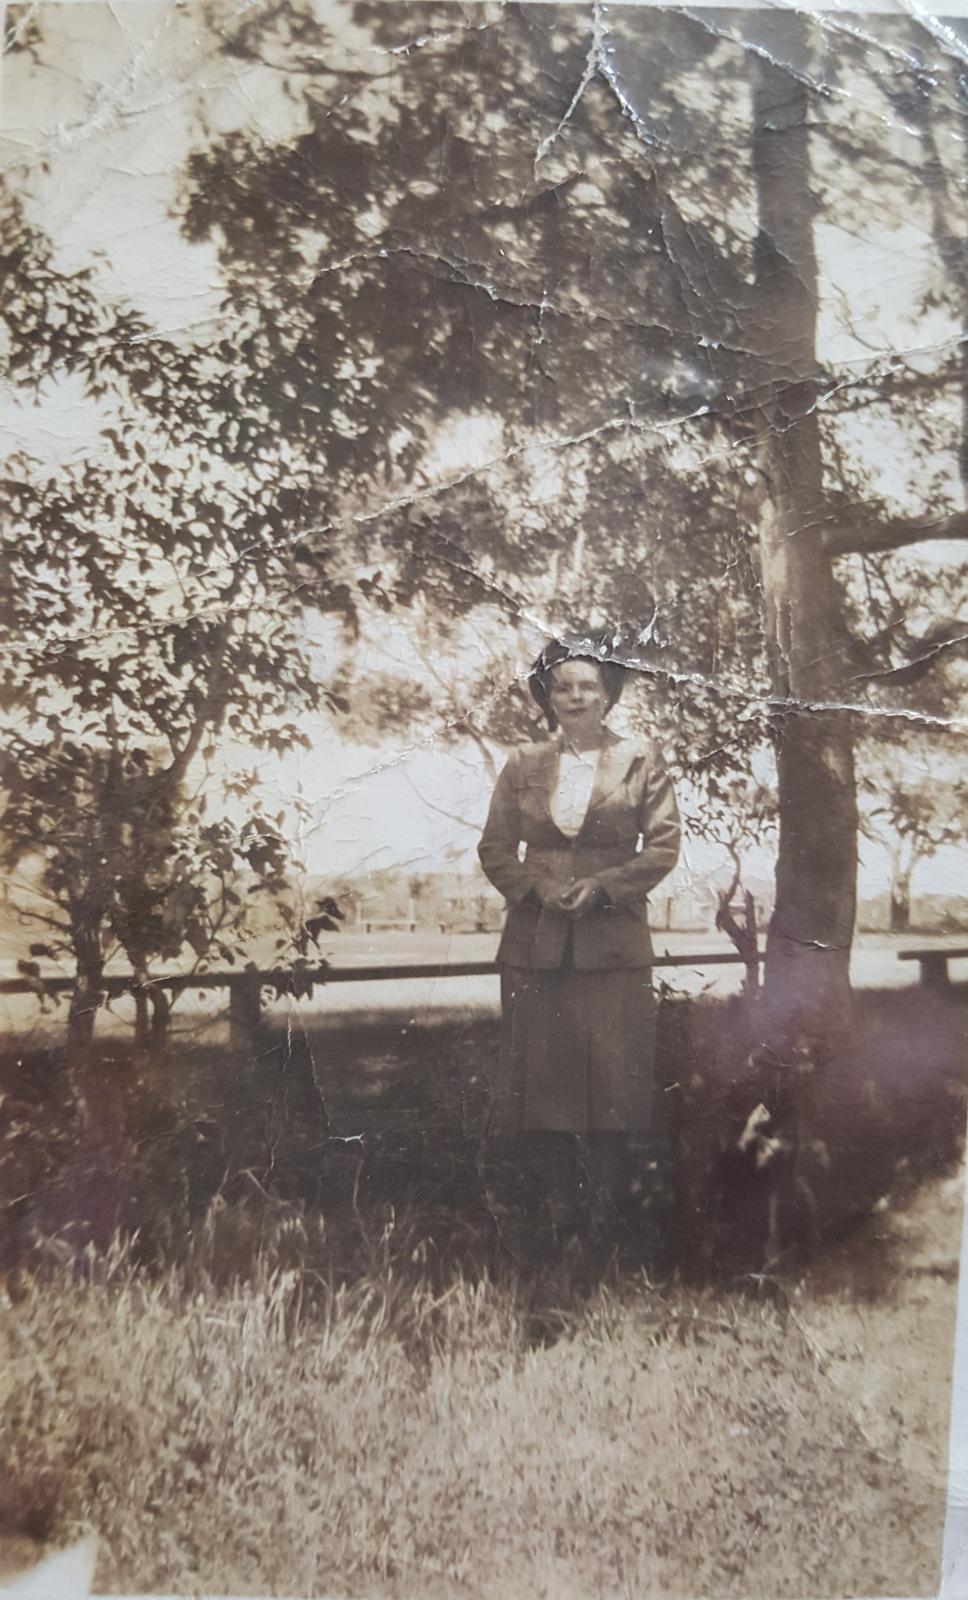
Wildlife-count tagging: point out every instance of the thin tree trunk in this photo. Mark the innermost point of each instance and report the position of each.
(86, 996)
(743, 934)
(160, 1018)
(149, 1027)
(900, 913)
(142, 1015)
(808, 945)
(102, 1150)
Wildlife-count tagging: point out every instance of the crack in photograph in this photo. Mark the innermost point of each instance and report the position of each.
(484, 903)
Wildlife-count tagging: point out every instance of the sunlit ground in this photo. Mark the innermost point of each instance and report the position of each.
(875, 964)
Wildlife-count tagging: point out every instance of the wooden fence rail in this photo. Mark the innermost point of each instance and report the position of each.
(246, 986)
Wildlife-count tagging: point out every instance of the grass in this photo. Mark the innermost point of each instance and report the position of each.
(313, 1367)
(382, 1437)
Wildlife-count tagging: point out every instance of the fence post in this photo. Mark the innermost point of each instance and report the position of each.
(245, 1010)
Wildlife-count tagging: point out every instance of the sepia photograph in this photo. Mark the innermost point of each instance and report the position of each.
(483, 782)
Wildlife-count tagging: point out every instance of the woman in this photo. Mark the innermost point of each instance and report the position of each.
(598, 820)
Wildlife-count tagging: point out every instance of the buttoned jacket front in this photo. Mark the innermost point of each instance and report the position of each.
(628, 841)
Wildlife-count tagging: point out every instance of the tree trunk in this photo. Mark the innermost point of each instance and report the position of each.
(744, 935)
(808, 945)
(151, 1008)
(160, 1019)
(86, 996)
(102, 1155)
(900, 896)
(900, 911)
(142, 1017)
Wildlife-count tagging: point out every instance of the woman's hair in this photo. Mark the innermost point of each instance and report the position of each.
(596, 648)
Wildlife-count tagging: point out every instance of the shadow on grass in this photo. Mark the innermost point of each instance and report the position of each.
(351, 1154)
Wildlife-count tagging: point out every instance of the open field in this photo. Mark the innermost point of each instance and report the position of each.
(396, 1439)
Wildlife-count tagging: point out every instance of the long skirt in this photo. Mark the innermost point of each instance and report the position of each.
(577, 1052)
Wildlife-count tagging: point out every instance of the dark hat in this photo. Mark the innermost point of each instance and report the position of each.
(595, 647)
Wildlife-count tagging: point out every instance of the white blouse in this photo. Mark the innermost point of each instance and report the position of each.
(573, 790)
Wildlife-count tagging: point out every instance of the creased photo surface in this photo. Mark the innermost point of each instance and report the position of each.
(484, 914)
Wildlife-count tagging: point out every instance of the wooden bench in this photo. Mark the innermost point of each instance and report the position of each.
(933, 963)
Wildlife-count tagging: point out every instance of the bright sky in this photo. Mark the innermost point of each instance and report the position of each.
(112, 120)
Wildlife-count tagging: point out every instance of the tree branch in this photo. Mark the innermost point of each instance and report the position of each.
(26, 914)
(896, 533)
(925, 654)
(212, 707)
(452, 816)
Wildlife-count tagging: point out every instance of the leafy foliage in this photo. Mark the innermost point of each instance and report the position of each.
(914, 802)
(484, 241)
(147, 598)
(506, 228)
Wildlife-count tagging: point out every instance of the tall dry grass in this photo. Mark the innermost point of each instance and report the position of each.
(283, 1435)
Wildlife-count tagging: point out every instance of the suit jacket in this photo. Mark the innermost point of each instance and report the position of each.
(628, 841)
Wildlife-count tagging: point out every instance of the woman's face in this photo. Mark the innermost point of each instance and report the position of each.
(577, 696)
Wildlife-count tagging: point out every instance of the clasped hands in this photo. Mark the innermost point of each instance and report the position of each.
(582, 896)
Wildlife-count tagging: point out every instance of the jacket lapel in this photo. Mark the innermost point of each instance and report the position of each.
(617, 756)
(543, 775)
